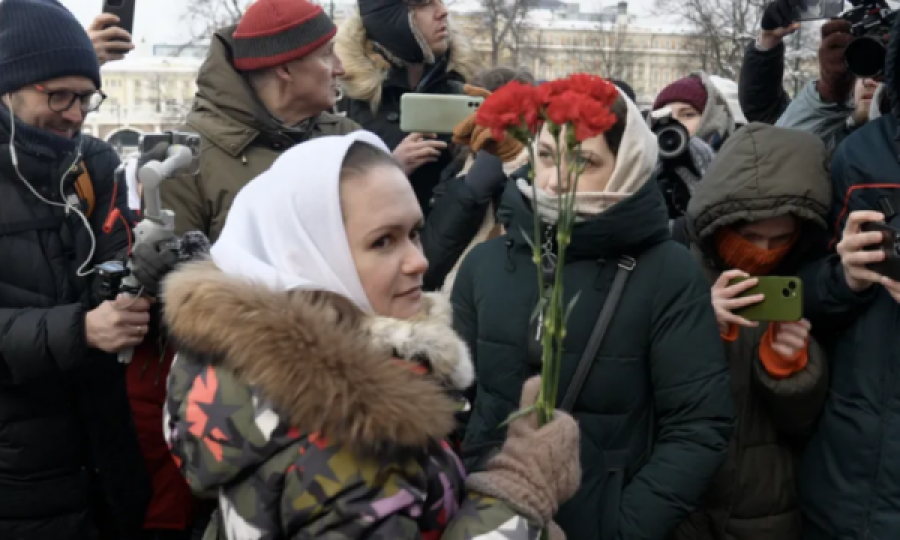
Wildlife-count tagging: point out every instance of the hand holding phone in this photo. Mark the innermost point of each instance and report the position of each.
(889, 245)
(790, 337)
(418, 149)
(111, 42)
(727, 298)
(782, 299)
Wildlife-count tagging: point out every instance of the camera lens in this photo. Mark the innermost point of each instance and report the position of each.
(672, 142)
(865, 57)
(786, 292)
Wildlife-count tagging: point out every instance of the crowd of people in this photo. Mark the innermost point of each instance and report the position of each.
(338, 340)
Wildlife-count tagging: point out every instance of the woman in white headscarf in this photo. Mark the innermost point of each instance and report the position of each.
(311, 392)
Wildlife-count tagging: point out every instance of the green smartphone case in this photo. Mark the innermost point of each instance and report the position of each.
(783, 301)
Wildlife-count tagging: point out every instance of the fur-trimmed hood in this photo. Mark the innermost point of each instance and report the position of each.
(366, 69)
(314, 362)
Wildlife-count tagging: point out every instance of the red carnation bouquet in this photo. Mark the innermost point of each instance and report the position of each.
(573, 109)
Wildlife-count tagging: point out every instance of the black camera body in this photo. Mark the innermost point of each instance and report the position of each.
(671, 135)
(149, 141)
(871, 22)
(674, 140)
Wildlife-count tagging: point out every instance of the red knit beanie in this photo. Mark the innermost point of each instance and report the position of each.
(274, 32)
(688, 90)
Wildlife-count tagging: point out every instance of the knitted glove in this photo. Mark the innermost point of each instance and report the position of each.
(151, 262)
(478, 138)
(835, 80)
(538, 468)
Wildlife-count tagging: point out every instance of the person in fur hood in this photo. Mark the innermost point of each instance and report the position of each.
(392, 47)
(310, 393)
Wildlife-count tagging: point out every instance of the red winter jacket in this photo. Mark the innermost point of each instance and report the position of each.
(172, 506)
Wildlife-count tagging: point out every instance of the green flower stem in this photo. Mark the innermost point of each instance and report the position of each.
(552, 302)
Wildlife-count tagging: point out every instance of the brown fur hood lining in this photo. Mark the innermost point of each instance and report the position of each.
(325, 365)
(366, 69)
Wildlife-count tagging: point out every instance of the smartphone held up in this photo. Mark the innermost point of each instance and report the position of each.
(782, 299)
(124, 11)
(890, 245)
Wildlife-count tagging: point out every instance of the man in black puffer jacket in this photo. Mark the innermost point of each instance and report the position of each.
(70, 464)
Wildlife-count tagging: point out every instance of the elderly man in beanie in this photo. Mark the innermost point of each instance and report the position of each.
(266, 85)
(70, 464)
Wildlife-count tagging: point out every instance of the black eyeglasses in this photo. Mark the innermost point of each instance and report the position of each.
(61, 101)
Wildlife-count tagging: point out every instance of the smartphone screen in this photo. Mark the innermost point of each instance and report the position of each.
(821, 9)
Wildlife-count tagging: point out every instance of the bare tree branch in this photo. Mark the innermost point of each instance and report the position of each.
(800, 62)
(204, 17)
(722, 28)
(601, 50)
(505, 21)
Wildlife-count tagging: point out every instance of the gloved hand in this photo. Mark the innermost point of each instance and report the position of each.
(835, 80)
(152, 261)
(485, 176)
(478, 138)
(781, 14)
(538, 468)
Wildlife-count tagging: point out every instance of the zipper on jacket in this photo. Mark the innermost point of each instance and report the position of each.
(548, 267)
(548, 255)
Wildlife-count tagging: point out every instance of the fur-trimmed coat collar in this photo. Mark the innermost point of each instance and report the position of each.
(366, 69)
(325, 366)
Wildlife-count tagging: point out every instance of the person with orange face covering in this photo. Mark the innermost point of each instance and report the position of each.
(758, 212)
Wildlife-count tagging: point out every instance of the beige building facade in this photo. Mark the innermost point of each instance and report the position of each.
(143, 95)
(646, 54)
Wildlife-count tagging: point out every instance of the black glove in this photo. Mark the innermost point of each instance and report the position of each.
(781, 14)
(151, 262)
(485, 176)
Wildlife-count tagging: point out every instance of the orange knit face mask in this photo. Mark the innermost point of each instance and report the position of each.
(737, 252)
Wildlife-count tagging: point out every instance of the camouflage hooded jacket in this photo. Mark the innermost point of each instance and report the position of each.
(294, 411)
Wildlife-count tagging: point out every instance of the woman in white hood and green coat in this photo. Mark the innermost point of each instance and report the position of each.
(655, 411)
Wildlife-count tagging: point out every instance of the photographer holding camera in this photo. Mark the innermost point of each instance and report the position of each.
(842, 97)
(683, 161)
(848, 474)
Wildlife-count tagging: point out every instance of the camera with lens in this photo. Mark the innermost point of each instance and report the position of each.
(671, 135)
(871, 22)
(674, 140)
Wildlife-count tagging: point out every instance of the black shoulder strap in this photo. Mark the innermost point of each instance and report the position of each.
(626, 265)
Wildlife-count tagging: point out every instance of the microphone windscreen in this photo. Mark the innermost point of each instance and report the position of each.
(193, 245)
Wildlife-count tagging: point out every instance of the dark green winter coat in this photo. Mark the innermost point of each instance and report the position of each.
(656, 410)
(762, 172)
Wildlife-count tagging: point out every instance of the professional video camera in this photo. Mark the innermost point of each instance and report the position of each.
(871, 21)
(163, 155)
(674, 140)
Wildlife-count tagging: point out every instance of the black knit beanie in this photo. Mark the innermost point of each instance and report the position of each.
(41, 40)
(389, 23)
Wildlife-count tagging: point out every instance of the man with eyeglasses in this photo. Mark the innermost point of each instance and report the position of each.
(70, 463)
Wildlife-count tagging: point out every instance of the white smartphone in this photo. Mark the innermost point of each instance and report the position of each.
(435, 113)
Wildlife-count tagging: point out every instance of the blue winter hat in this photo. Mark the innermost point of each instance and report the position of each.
(41, 40)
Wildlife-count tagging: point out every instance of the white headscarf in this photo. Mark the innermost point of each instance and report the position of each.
(285, 228)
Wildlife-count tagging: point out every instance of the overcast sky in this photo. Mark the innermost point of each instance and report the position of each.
(158, 21)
